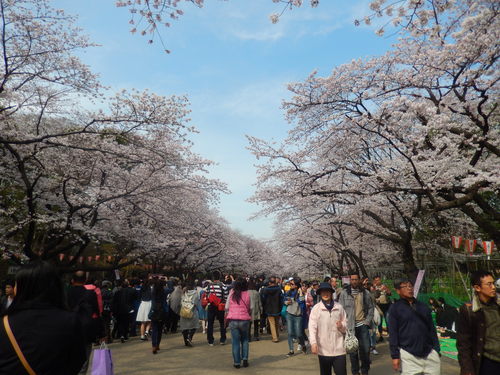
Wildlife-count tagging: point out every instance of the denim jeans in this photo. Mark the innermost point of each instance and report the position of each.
(373, 338)
(305, 323)
(294, 327)
(363, 335)
(157, 328)
(239, 335)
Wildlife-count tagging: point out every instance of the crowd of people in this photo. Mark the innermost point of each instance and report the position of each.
(50, 328)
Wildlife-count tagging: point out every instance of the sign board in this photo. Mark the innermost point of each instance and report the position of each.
(418, 282)
(117, 274)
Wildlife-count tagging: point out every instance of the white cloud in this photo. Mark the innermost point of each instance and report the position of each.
(259, 35)
(262, 99)
(237, 20)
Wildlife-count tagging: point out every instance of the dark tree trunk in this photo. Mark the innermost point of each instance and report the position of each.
(410, 268)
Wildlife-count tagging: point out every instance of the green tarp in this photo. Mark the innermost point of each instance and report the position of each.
(448, 298)
(449, 348)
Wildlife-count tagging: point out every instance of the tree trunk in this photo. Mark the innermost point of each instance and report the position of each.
(410, 268)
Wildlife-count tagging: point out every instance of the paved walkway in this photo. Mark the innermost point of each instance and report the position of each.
(135, 358)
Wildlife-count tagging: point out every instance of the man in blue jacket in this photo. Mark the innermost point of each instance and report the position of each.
(412, 336)
(272, 302)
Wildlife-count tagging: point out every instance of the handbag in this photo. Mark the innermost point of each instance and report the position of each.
(204, 299)
(16, 347)
(214, 300)
(102, 362)
(351, 343)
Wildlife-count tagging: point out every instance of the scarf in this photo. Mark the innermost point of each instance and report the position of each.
(329, 306)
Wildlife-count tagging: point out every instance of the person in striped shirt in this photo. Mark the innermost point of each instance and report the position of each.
(216, 310)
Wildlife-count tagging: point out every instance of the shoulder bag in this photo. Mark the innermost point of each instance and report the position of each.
(351, 343)
(16, 347)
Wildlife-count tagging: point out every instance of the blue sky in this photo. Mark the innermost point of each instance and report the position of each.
(234, 65)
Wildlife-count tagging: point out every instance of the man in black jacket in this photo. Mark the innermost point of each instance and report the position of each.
(272, 302)
(84, 303)
(123, 308)
(412, 336)
(107, 308)
(478, 329)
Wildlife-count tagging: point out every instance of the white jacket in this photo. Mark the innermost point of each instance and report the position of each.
(323, 329)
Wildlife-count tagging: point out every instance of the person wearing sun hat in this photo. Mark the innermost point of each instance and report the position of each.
(327, 327)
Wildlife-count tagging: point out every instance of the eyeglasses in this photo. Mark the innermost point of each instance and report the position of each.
(406, 286)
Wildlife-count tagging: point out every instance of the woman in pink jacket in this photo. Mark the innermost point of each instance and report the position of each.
(239, 315)
(327, 327)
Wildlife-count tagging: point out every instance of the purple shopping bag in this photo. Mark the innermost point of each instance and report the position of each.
(102, 363)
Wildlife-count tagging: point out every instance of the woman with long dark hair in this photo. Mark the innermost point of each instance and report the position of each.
(239, 315)
(158, 314)
(49, 338)
(144, 309)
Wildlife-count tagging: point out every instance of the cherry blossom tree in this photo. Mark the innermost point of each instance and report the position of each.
(86, 172)
(399, 137)
(74, 177)
(149, 16)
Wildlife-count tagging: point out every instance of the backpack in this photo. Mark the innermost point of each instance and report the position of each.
(158, 311)
(107, 300)
(187, 306)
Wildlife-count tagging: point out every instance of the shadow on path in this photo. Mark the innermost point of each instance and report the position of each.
(266, 358)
